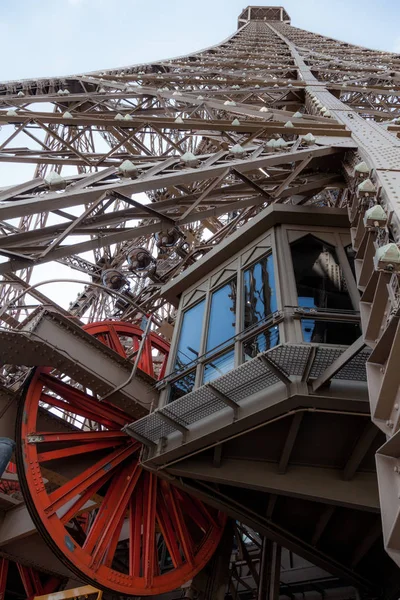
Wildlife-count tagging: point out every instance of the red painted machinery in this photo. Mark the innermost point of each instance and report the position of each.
(113, 523)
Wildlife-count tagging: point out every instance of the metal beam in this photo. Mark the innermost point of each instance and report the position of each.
(54, 340)
(173, 424)
(309, 483)
(322, 524)
(296, 171)
(127, 233)
(16, 525)
(281, 536)
(367, 542)
(338, 364)
(271, 505)
(72, 197)
(227, 194)
(360, 450)
(225, 399)
(275, 370)
(290, 442)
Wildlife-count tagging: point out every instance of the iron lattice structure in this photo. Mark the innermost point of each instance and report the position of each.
(222, 104)
(141, 171)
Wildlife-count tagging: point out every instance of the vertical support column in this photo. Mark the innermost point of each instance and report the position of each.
(266, 549)
(275, 571)
(270, 569)
(211, 583)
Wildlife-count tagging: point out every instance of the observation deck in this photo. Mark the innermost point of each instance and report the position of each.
(263, 13)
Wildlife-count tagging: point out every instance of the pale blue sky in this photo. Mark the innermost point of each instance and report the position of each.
(60, 37)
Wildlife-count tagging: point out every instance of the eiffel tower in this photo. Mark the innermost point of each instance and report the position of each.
(216, 414)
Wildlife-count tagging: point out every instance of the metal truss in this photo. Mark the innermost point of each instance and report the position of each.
(197, 133)
(140, 171)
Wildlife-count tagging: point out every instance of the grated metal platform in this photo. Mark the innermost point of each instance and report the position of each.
(250, 378)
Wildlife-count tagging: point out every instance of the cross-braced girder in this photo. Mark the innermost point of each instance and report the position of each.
(139, 172)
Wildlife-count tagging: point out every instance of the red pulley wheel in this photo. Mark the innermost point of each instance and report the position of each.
(114, 524)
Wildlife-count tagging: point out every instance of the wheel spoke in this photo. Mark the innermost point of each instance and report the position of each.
(110, 552)
(30, 581)
(163, 369)
(168, 533)
(135, 531)
(198, 511)
(76, 397)
(114, 342)
(103, 513)
(179, 523)
(195, 514)
(203, 508)
(77, 410)
(78, 484)
(149, 527)
(146, 360)
(114, 511)
(74, 450)
(77, 436)
(156, 564)
(74, 509)
(90, 441)
(26, 581)
(37, 584)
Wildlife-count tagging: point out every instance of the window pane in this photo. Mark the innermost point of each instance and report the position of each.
(261, 342)
(182, 386)
(330, 332)
(222, 322)
(259, 291)
(219, 366)
(190, 335)
(319, 278)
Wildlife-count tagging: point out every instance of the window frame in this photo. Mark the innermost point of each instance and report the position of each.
(293, 327)
(207, 314)
(207, 356)
(285, 318)
(175, 342)
(240, 336)
(242, 295)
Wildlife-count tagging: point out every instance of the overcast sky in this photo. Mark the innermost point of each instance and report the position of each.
(60, 37)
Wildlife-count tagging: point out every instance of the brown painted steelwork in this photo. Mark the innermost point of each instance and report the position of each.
(199, 133)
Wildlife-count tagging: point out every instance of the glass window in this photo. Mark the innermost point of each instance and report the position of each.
(330, 332)
(219, 366)
(190, 335)
(182, 386)
(319, 278)
(261, 342)
(259, 291)
(222, 321)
